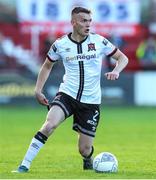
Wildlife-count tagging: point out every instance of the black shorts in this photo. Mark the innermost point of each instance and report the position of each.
(85, 116)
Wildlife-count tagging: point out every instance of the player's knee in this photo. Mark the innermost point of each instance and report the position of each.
(50, 127)
(85, 150)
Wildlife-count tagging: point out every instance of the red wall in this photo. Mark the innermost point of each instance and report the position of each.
(13, 31)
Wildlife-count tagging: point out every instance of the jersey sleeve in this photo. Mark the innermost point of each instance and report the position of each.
(53, 53)
(108, 48)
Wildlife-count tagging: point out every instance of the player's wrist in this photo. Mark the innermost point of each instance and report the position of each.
(37, 92)
(116, 72)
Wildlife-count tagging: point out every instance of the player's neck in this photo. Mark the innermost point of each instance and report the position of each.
(76, 37)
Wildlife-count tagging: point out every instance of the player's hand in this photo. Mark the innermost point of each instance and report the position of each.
(41, 98)
(114, 75)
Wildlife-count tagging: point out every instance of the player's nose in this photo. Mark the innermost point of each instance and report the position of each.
(87, 26)
(88, 23)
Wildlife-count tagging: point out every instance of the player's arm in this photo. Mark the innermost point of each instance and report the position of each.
(121, 63)
(41, 79)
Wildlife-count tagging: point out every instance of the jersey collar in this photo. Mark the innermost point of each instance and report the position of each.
(69, 36)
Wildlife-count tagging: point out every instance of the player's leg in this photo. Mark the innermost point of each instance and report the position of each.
(86, 119)
(54, 117)
(86, 150)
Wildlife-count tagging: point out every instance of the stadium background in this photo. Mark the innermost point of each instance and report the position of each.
(27, 28)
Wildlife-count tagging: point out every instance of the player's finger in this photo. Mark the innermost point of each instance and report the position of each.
(113, 77)
(45, 101)
(116, 78)
(107, 75)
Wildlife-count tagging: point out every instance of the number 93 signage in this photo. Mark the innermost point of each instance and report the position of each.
(115, 11)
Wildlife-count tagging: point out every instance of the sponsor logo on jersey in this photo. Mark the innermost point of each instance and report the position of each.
(91, 47)
(82, 57)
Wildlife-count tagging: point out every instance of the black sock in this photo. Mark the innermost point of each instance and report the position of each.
(41, 137)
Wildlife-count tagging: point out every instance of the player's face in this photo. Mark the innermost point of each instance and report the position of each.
(81, 24)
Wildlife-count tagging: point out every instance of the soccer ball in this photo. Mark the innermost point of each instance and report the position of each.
(105, 162)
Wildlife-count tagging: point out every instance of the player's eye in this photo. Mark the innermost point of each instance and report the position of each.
(84, 20)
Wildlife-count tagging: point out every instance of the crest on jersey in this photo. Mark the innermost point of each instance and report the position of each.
(91, 47)
(105, 42)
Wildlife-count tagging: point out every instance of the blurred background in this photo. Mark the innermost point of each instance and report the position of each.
(29, 27)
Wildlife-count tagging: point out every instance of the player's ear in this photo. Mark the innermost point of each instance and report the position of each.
(73, 22)
(73, 19)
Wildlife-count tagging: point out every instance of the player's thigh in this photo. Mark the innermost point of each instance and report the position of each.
(85, 140)
(55, 115)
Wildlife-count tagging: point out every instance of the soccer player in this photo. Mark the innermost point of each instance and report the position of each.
(80, 93)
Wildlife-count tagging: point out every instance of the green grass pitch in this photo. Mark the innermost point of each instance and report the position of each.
(127, 132)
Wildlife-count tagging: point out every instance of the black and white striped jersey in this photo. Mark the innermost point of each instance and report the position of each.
(82, 62)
